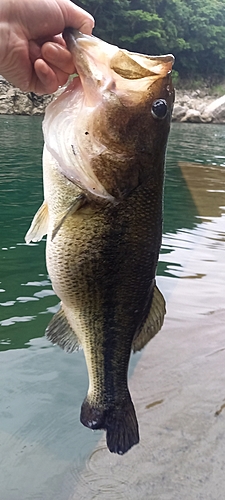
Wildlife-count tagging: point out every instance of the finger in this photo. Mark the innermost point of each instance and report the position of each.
(48, 79)
(45, 80)
(87, 26)
(34, 50)
(77, 18)
(61, 76)
(58, 39)
(58, 56)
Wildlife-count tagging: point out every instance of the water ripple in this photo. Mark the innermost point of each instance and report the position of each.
(26, 299)
(16, 319)
(44, 293)
(37, 283)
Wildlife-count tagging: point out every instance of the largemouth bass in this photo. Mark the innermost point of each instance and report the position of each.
(103, 168)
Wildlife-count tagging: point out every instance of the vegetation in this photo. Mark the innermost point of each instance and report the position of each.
(193, 30)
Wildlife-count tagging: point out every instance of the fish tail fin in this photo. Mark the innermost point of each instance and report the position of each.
(122, 429)
(120, 424)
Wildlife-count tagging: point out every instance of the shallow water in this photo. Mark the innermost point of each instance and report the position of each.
(45, 452)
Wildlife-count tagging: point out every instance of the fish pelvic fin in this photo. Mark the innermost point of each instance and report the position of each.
(153, 322)
(39, 225)
(60, 332)
(119, 422)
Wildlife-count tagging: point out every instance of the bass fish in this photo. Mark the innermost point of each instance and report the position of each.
(103, 172)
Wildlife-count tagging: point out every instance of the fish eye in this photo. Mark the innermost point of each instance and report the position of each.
(159, 109)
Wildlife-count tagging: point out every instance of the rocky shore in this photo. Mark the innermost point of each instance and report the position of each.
(15, 102)
(198, 107)
(190, 106)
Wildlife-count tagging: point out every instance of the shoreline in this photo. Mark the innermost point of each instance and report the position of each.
(190, 106)
(198, 107)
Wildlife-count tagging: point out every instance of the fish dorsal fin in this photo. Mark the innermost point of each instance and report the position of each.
(153, 322)
(39, 225)
(75, 205)
(60, 332)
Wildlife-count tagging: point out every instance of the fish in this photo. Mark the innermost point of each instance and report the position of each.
(103, 176)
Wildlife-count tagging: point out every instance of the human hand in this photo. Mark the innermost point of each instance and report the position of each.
(33, 54)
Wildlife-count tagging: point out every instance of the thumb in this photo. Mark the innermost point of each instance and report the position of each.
(77, 18)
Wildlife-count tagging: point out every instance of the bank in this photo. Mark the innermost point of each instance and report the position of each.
(190, 106)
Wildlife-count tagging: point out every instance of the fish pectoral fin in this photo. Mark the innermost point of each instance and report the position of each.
(39, 225)
(154, 321)
(75, 205)
(60, 332)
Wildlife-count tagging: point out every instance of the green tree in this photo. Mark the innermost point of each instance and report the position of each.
(193, 30)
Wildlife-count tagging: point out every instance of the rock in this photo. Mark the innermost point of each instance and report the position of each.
(22, 104)
(14, 101)
(38, 111)
(215, 112)
(202, 93)
(202, 106)
(6, 108)
(185, 99)
(4, 82)
(178, 112)
(6, 103)
(195, 93)
(11, 92)
(192, 116)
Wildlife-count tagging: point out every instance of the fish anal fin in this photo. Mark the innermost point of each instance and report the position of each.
(60, 332)
(75, 205)
(153, 322)
(39, 225)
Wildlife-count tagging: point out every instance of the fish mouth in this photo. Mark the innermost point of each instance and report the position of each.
(77, 41)
(105, 67)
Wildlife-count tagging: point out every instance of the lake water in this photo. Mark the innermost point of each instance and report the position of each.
(44, 448)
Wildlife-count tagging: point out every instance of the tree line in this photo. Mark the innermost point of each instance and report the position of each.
(192, 30)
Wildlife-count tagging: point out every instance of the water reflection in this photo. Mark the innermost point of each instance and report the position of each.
(51, 454)
(206, 184)
(182, 369)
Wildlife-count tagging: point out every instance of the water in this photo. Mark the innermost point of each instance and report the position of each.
(43, 446)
